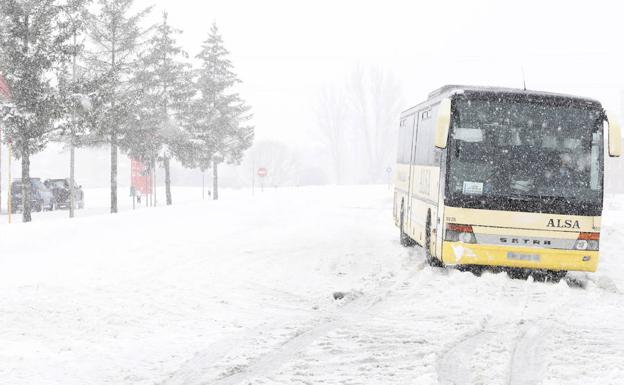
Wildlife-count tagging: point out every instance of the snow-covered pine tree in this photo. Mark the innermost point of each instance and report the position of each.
(116, 35)
(166, 84)
(34, 42)
(75, 88)
(218, 115)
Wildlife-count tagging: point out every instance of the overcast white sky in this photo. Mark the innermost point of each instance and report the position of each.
(286, 51)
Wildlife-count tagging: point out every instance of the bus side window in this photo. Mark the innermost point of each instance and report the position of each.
(405, 140)
(425, 147)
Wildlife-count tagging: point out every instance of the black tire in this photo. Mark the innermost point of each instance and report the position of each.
(556, 276)
(38, 207)
(431, 260)
(405, 240)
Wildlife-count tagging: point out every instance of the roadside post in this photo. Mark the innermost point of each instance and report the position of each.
(133, 195)
(262, 173)
(1, 168)
(9, 190)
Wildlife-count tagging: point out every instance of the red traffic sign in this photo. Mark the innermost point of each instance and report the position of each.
(262, 172)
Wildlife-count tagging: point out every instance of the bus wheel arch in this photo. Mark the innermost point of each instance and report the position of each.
(431, 259)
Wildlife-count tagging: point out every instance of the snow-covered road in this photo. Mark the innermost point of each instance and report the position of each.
(240, 291)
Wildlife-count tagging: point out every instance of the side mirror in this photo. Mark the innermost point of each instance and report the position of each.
(443, 123)
(615, 136)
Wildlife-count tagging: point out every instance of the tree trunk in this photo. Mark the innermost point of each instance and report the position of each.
(114, 128)
(72, 179)
(26, 185)
(167, 179)
(113, 172)
(215, 180)
(72, 155)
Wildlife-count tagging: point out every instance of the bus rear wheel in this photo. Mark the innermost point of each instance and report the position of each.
(404, 238)
(431, 259)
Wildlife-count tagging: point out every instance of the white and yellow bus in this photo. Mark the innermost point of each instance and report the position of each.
(503, 177)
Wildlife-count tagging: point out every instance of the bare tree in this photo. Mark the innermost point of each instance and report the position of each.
(332, 121)
(375, 101)
(358, 125)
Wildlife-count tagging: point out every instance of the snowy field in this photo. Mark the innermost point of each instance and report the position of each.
(240, 291)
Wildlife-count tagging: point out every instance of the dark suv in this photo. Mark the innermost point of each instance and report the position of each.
(41, 198)
(60, 189)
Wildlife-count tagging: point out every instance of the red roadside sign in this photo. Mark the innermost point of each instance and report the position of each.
(140, 178)
(5, 91)
(262, 172)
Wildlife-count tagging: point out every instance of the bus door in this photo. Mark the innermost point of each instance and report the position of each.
(413, 124)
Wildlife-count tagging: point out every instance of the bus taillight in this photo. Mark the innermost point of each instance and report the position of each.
(459, 233)
(587, 241)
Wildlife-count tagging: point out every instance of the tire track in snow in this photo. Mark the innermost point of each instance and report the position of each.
(453, 368)
(192, 368)
(527, 364)
(528, 361)
(267, 363)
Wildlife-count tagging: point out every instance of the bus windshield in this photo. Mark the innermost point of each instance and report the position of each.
(525, 149)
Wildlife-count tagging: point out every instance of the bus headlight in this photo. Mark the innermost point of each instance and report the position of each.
(459, 233)
(466, 237)
(592, 245)
(587, 241)
(581, 244)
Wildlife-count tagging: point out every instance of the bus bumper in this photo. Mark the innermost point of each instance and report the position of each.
(459, 253)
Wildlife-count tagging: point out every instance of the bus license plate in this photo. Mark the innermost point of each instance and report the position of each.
(523, 257)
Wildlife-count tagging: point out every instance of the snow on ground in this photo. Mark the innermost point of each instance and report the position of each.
(240, 291)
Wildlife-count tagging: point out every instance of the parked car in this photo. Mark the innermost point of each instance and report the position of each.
(41, 198)
(60, 189)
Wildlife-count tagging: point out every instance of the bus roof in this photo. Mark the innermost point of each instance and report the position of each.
(455, 89)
